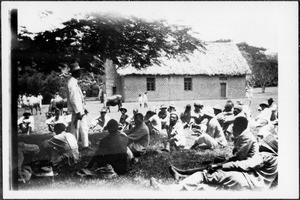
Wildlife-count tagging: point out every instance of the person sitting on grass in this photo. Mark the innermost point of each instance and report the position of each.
(185, 116)
(164, 116)
(138, 136)
(213, 136)
(112, 150)
(255, 173)
(24, 170)
(101, 120)
(130, 119)
(26, 123)
(57, 118)
(228, 122)
(176, 138)
(153, 122)
(61, 148)
(245, 146)
(123, 118)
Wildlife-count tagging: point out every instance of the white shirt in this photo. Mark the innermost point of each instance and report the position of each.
(75, 97)
(30, 120)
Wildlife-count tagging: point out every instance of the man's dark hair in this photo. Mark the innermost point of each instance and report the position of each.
(240, 123)
(58, 128)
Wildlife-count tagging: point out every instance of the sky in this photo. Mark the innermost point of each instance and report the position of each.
(255, 23)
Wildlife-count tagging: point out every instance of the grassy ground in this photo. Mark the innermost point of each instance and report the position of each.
(153, 164)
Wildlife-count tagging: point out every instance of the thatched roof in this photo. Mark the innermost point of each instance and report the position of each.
(218, 59)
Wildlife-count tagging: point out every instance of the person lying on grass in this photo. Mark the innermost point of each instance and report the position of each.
(213, 136)
(62, 148)
(112, 150)
(257, 173)
(245, 146)
(176, 138)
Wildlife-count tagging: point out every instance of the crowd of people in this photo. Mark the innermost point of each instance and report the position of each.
(253, 164)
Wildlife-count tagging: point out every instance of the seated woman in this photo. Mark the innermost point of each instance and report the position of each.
(26, 123)
(112, 150)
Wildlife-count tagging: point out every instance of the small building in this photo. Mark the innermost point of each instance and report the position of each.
(217, 73)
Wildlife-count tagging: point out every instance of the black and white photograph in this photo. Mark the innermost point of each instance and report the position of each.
(149, 99)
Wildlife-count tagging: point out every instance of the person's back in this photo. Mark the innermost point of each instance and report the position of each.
(214, 129)
(112, 150)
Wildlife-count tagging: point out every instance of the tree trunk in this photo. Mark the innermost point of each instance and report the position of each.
(263, 88)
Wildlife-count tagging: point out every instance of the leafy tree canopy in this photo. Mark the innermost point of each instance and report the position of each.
(97, 37)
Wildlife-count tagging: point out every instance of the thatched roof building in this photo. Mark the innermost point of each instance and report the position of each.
(218, 59)
(217, 73)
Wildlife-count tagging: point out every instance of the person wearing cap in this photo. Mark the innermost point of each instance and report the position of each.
(176, 138)
(138, 136)
(197, 114)
(229, 119)
(123, 118)
(61, 148)
(153, 122)
(213, 136)
(113, 150)
(273, 108)
(164, 116)
(100, 120)
(172, 107)
(26, 123)
(255, 173)
(78, 126)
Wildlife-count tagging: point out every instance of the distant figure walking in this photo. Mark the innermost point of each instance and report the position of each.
(141, 100)
(40, 97)
(145, 100)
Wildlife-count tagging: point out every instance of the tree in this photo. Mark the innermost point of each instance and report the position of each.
(96, 38)
(264, 67)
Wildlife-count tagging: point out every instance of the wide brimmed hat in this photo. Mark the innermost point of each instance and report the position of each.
(198, 103)
(238, 107)
(74, 67)
(125, 110)
(163, 106)
(175, 113)
(209, 111)
(45, 172)
(218, 107)
(112, 125)
(26, 114)
(264, 103)
(270, 142)
(172, 105)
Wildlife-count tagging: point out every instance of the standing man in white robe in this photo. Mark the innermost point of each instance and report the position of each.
(78, 126)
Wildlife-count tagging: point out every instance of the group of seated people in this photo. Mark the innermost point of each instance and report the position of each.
(129, 139)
